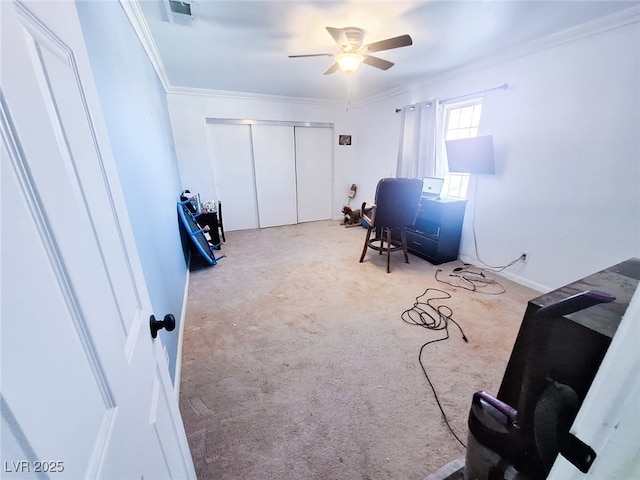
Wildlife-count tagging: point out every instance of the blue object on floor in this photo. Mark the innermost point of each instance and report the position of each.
(196, 233)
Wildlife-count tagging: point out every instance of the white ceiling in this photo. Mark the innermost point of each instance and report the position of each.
(243, 46)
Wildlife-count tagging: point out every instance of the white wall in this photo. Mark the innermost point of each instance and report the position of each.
(135, 112)
(567, 147)
(567, 143)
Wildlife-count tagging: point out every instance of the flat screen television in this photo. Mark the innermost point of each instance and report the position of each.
(471, 155)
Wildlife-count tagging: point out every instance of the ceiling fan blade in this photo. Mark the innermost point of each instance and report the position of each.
(333, 69)
(389, 43)
(337, 34)
(312, 55)
(378, 62)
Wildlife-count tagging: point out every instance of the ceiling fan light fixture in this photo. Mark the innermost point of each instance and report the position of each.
(349, 62)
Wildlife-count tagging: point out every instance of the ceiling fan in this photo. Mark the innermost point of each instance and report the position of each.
(353, 53)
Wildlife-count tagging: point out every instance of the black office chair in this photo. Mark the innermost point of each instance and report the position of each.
(395, 208)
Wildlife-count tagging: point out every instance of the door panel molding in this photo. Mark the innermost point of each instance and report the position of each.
(51, 247)
(26, 186)
(160, 406)
(9, 423)
(41, 42)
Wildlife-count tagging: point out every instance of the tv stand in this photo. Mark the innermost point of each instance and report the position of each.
(436, 234)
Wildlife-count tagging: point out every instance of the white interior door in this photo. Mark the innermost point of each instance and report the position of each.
(314, 167)
(275, 169)
(85, 391)
(232, 163)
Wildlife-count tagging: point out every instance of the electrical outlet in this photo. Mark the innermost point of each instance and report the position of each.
(524, 256)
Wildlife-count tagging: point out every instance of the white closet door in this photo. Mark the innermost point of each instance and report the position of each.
(275, 170)
(232, 163)
(314, 173)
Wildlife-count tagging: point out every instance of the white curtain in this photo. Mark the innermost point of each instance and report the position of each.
(421, 140)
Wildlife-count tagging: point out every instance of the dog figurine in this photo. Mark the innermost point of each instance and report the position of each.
(351, 217)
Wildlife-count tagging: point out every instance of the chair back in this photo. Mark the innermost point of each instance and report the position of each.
(397, 202)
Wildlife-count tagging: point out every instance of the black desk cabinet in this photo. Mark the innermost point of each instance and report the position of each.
(211, 220)
(436, 233)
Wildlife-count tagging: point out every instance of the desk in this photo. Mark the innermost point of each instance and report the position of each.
(436, 233)
(211, 220)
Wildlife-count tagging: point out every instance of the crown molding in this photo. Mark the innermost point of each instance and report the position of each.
(134, 13)
(612, 21)
(228, 94)
(603, 24)
(136, 18)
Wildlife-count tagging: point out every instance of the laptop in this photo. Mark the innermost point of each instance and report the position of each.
(431, 187)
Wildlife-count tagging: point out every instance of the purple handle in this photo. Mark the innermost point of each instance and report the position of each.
(508, 411)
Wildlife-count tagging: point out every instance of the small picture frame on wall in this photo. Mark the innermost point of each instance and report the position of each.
(344, 140)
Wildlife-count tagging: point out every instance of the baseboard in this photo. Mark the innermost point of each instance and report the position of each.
(183, 314)
(524, 282)
(508, 275)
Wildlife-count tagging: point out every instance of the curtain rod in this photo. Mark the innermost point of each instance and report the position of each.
(504, 86)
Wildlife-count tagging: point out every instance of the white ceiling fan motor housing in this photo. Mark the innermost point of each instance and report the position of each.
(354, 36)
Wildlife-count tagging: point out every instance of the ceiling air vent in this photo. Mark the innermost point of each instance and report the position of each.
(180, 13)
(183, 8)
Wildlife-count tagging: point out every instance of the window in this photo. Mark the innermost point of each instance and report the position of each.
(461, 121)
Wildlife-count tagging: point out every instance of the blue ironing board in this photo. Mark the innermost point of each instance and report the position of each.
(197, 234)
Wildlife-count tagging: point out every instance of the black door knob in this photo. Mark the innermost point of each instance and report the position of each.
(168, 323)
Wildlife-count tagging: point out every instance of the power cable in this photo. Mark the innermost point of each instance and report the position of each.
(475, 238)
(433, 317)
(472, 280)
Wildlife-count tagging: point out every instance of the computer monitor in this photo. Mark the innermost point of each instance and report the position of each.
(431, 186)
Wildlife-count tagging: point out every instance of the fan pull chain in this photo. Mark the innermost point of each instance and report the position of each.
(348, 91)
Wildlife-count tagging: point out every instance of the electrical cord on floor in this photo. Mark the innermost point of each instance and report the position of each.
(475, 238)
(433, 317)
(470, 279)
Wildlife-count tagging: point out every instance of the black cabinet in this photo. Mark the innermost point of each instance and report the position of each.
(436, 233)
(211, 220)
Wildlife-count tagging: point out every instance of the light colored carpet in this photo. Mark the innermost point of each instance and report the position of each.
(297, 365)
